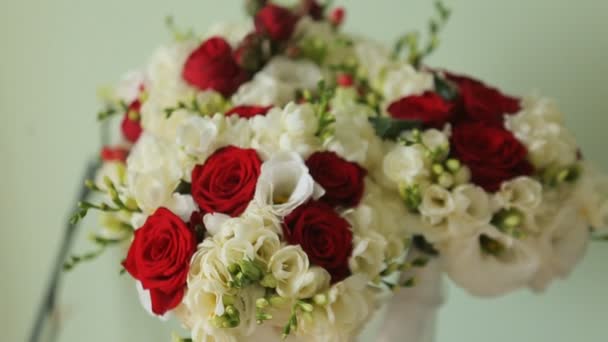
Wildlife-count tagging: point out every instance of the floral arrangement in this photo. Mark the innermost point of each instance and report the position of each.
(275, 174)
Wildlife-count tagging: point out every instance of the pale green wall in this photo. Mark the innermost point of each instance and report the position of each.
(53, 54)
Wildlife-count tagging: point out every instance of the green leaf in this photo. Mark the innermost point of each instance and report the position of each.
(445, 89)
(390, 128)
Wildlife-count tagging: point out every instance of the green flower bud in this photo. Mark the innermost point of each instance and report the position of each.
(320, 299)
(438, 169)
(269, 281)
(250, 270)
(262, 303)
(446, 180)
(453, 165)
(306, 307)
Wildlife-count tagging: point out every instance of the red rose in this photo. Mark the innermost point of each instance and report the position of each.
(212, 66)
(131, 126)
(226, 182)
(276, 22)
(345, 80)
(323, 235)
(336, 17)
(492, 153)
(114, 154)
(484, 103)
(248, 111)
(159, 258)
(430, 108)
(341, 179)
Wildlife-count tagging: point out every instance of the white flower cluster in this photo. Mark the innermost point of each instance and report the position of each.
(245, 271)
(532, 230)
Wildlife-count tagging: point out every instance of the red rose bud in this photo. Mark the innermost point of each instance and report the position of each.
(213, 66)
(276, 22)
(159, 257)
(226, 182)
(480, 102)
(250, 52)
(313, 9)
(429, 108)
(197, 225)
(492, 153)
(248, 111)
(114, 154)
(131, 126)
(345, 80)
(342, 180)
(336, 17)
(324, 235)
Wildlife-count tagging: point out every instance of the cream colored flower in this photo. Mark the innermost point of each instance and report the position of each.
(354, 138)
(368, 256)
(405, 164)
(511, 265)
(287, 266)
(437, 203)
(562, 244)
(290, 129)
(285, 183)
(401, 80)
(277, 83)
(473, 209)
(523, 193)
(153, 172)
(540, 127)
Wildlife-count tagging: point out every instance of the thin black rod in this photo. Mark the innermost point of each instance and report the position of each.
(47, 306)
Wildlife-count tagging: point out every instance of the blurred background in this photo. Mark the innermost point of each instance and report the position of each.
(54, 55)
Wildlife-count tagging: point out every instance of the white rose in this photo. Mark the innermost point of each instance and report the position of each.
(523, 193)
(152, 172)
(287, 265)
(487, 275)
(401, 80)
(404, 164)
(277, 82)
(540, 127)
(284, 184)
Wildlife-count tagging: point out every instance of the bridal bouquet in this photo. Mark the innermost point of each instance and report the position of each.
(275, 174)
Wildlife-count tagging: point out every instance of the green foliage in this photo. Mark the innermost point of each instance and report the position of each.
(101, 242)
(411, 41)
(178, 34)
(391, 128)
